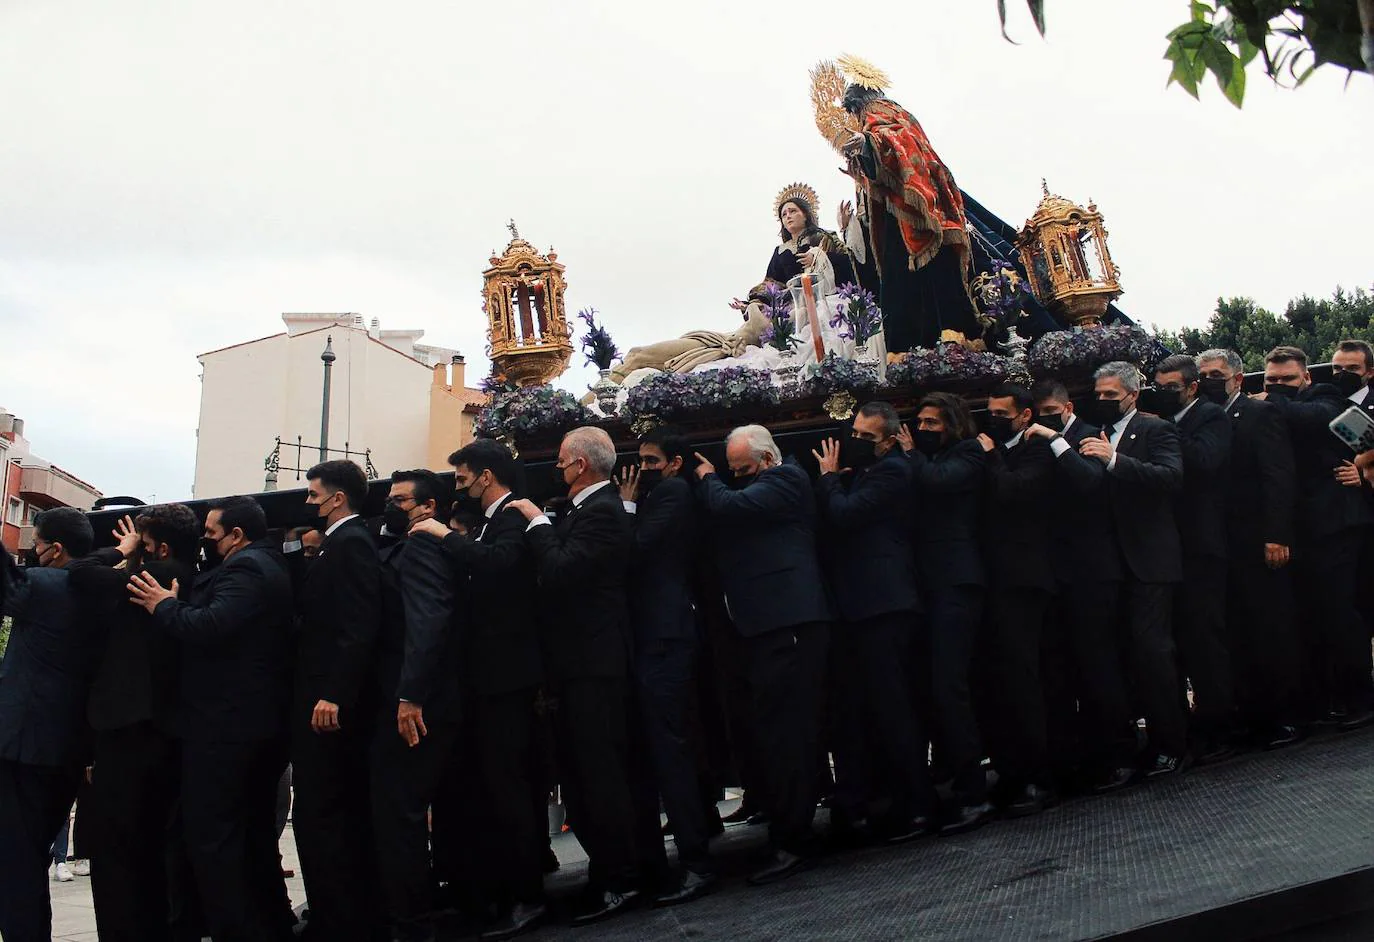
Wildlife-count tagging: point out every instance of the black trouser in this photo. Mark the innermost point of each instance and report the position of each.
(665, 682)
(229, 797)
(33, 801)
(878, 725)
(592, 768)
(1260, 631)
(1015, 697)
(1327, 573)
(1090, 612)
(332, 821)
(134, 784)
(403, 781)
(503, 842)
(942, 659)
(1199, 627)
(1152, 663)
(787, 672)
(731, 662)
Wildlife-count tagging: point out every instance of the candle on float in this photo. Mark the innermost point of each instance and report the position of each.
(817, 340)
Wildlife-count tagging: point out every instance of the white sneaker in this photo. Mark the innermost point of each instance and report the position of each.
(80, 868)
(61, 873)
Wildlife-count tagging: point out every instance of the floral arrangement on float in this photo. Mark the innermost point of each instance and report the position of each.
(1001, 294)
(781, 332)
(601, 352)
(948, 362)
(858, 318)
(1082, 349)
(667, 397)
(838, 374)
(516, 413)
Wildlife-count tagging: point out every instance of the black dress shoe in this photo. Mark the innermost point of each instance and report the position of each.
(716, 826)
(1356, 719)
(605, 906)
(551, 863)
(1215, 752)
(756, 819)
(1163, 766)
(781, 866)
(522, 918)
(1115, 780)
(844, 834)
(969, 818)
(1282, 736)
(739, 816)
(908, 829)
(1028, 801)
(694, 886)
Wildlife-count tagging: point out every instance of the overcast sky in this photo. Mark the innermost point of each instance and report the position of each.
(177, 174)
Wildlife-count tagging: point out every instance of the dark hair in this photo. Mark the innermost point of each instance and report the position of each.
(65, 525)
(1287, 355)
(469, 520)
(486, 455)
(878, 409)
(1049, 389)
(342, 475)
(242, 513)
(1179, 363)
(668, 440)
(173, 524)
(856, 96)
(1016, 393)
(954, 413)
(808, 214)
(428, 486)
(1358, 346)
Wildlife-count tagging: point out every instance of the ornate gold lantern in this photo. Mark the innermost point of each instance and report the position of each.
(527, 326)
(1064, 248)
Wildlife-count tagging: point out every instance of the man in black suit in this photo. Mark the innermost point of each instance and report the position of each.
(667, 650)
(865, 497)
(418, 664)
(134, 769)
(1260, 496)
(43, 683)
(338, 596)
(231, 716)
(1352, 371)
(582, 562)
(1090, 723)
(1204, 434)
(501, 672)
(1016, 524)
(1137, 459)
(764, 528)
(1331, 522)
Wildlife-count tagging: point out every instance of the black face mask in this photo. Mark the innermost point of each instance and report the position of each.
(1106, 412)
(649, 478)
(1166, 402)
(926, 441)
(1347, 383)
(310, 517)
(1280, 391)
(1213, 389)
(1052, 421)
(29, 558)
(210, 548)
(739, 481)
(397, 520)
(466, 503)
(858, 453)
(560, 486)
(1000, 429)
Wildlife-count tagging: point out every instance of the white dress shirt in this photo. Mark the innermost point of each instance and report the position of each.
(1060, 445)
(1360, 395)
(1178, 416)
(578, 498)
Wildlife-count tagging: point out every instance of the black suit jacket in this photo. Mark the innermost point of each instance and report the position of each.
(1325, 506)
(339, 597)
(661, 571)
(1261, 491)
(1016, 521)
(947, 509)
(866, 530)
(583, 561)
(501, 634)
(235, 634)
(136, 674)
(1083, 537)
(1204, 435)
(1140, 492)
(420, 649)
(47, 667)
(766, 549)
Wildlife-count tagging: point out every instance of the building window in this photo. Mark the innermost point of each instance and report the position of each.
(14, 513)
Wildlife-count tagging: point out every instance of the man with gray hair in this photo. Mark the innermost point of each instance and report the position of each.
(582, 562)
(764, 526)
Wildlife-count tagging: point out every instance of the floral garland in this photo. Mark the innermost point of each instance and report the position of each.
(1081, 349)
(515, 414)
(947, 362)
(838, 374)
(670, 396)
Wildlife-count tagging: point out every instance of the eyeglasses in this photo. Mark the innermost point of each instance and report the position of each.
(397, 500)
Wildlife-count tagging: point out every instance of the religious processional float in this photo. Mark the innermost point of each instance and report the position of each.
(920, 289)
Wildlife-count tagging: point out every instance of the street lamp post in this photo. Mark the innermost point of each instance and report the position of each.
(328, 357)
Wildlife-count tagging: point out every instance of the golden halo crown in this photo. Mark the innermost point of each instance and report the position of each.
(798, 191)
(862, 72)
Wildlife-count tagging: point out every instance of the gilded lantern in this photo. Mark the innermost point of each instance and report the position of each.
(1064, 249)
(527, 327)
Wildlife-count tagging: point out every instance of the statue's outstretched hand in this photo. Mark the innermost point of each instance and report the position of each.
(846, 213)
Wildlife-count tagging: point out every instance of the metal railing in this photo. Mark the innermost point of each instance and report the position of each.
(272, 464)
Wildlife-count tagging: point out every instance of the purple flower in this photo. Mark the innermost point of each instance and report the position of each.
(859, 318)
(597, 345)
(516, 414)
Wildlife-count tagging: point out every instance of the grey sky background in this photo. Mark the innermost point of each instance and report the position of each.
(176, 174)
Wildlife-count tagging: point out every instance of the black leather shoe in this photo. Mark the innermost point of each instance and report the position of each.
(551, 863)
(1282, 736)
(607, 905)
(716, 826)
(1216, 752)
(694, 886)
(780, 867)
(756, 819)
(1163, 766)
(1028, 801)
(1356, 719)
(522, 918)
(908, 829)
(1115, 780)
(844, 834)
(739, 816)
(969, 818)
